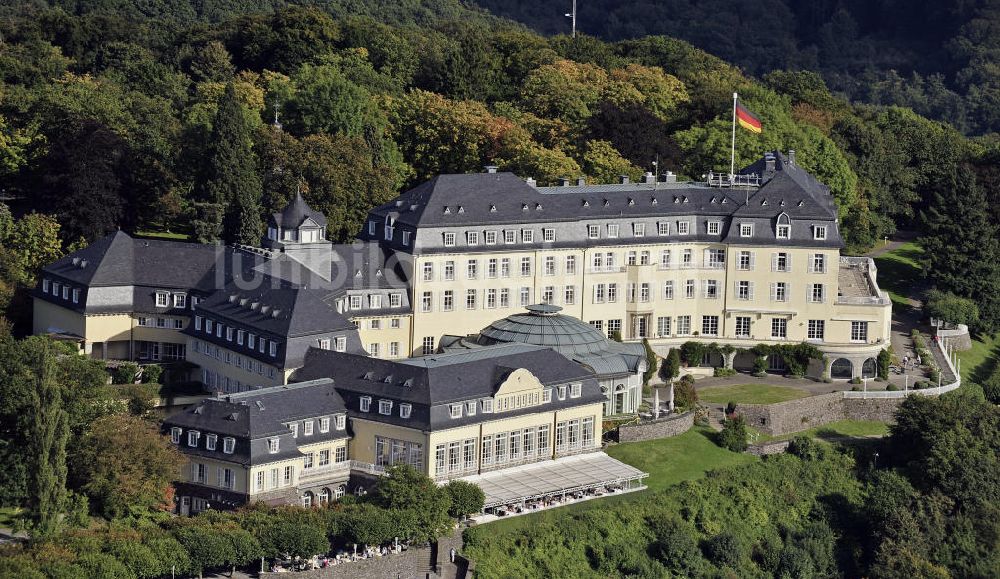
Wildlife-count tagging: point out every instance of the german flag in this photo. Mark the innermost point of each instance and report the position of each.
(747, 120)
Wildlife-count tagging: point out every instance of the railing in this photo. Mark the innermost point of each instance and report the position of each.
(729, 180)
(367, 467)
(606, 269)
(882, 300)
(323, 471)
(925, 392)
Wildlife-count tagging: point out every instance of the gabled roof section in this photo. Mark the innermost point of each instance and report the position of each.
(296, 213)
(787, 188)
(121, 260)
(276, 307)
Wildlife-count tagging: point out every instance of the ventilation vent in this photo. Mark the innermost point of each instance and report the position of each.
(388, 379)
(763, 203)
(607, 203)
(408, 383)
(493, 208)
(538, 206)
(233, 417)
(199, 409)
(781, 203)
(586, 203)
(275, 313)
(260, 405)
(369, 376)
(653, 200)
(801, 203)
(631, 201)
(461, 209)
(447, 210)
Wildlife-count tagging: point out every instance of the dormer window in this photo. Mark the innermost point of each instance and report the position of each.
(639, 229)
(355, 302)
(175, 435)
(546, 396)
(575, 390)
(180, 300)
(375, 301)
(683, 228)
(593, 231)
(324, 343)
(714, 227)
(487, 405)
(819, 232)
(385, 407)
(228, 444)
(46, 284)
(406, 238)
(663, 228)
(562, 392)
(341, 421)
(340, 344)
(528, 236)
(371, 228)
(491, 237)
(193, 436)
(455, 410)
(294, 427)
(273, 349)
(783, 228)
(273, 445)
(197, 323)
(307, 428)
(404, 410)
(746, 229)
(210, 441)
(449, 239)
(324, 425)
(470, 408)
(472, 237)
(395, 300)
(365, 404)
(162, 299)
(612, 230)
(548, 235)
(510, 236)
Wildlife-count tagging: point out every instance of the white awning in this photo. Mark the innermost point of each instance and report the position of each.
(553, 477)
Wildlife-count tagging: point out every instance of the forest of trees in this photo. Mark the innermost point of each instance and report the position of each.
(921, 503)
(151, 117)
(936, 57)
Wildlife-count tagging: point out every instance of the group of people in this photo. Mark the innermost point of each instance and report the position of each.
(324, 561)
(555, 500)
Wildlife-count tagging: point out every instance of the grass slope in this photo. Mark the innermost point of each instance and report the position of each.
(899, 273)
(750, 394)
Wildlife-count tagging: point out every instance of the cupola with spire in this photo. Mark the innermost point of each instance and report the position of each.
(296, 224)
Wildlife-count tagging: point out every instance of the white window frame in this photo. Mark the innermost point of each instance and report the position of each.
(365, 404)
(746, 229)
(819, 232)
(448, 239)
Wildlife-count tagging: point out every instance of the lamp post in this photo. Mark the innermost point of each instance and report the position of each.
(572, 16)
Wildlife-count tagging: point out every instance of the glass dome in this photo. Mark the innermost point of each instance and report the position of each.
(543, 325)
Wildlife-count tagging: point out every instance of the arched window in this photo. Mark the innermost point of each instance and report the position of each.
(339, 491)
(783, 228)
(307, 499)
(324, 496)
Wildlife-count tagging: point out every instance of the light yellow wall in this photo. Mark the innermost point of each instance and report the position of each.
(212, 473)
(241, 374)
(266, 469)
(386, 334)
(362, 447)
(48, 316)
(461, 321)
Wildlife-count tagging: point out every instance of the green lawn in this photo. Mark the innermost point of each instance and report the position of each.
(841, 428)
(899, 272)
(164, 235)
(978, 363)
(750, 394)
(668, 462)
(7, 516)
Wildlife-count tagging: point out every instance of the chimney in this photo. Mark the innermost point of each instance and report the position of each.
(623, 179)
(769, 163)
(581, 181)
(669, 177)
(490, 168)
(564, 181)
(648, 177)
(531, 182)
(791, 156)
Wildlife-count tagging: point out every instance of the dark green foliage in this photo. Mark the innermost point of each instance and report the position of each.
(670, 368)
(466, 498)
(806, 448)
(151, 373)
(651, 362)
(950, 308)
(883, 361)
(675, 545)
(407, 490)
(734, 434)
(616, 335)
(724, 549)
(125, 373)
(692, 353)
(50, 434)
(685, 395)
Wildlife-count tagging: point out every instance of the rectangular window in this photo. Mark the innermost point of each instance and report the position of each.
(355, 302)
(491, 298)
(779, 328)
(341, 421)
(447, 300)
(683, 325)
(639, 229)
(859, 331)
(76, 295)
(593, 231)
(614, 327)
(385, 407)
(428, 345)
(668, 290)
(510, 236)
(504, 298)
(710, 325)
(784, 231)
(742, 326)
(817, 263)
(819, 232)
(525, 296)
(175, 435)
(817, 293)
(228, 445)
(744, 290)
(324, 457)
(470, 299)
(180, 300)
(449, 271)
(548, 235)
(683, 228)
(324, 425)
(470, 408)
(817, 329)
(575, 390)
(711, 289)
(273, 445)
(273, 349)
(550, 266)
(449, 240)
(689, 289)
(229, 334)
(527, 236)
(612, 230)
(162, 299)
(548, 294)
(294, 427)
(45, 285)
(455, 410)
(491, 237)
(197, 322)
(472, 269)
(663, 326)
(746, 229)
(687, 258)
(612, 292)
(365, 404)
(340, 454)
(745, 261)
(525, 266)
(569, 295)
(491, 268)
(570, 265)
(779, 291)
(472, 238)
(714, 227)
(406, 237)
(780, 262)
(404, 410)
(715, 258)
(505, 267)
(193, 436)
(663, 228)
(340, 344)
(425, 301)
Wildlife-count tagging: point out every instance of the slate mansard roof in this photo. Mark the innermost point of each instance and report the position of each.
(431, 383)
(252, 417)
(295, 214)
(483, 199)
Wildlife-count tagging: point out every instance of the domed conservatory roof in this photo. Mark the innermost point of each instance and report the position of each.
(543, 325)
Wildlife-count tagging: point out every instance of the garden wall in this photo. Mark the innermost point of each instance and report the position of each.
(804, 413)
(651, 430)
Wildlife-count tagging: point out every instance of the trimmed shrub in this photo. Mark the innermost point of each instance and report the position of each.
(722, 372)
(734, 434)
(692, 353)
(890, 387)
(883, 361)
(125, 373)
(152, 373)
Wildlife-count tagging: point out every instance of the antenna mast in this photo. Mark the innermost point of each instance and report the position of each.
(572, 15)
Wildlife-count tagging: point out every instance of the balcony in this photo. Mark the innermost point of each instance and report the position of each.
(856, 283)
(331, 471)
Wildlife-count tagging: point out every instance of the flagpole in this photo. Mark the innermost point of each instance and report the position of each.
(732, 152)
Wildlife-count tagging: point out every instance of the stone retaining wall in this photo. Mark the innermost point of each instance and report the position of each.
(412, 563)
(958, 338)
(804, 413)
(651, 430)
(776, 447)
